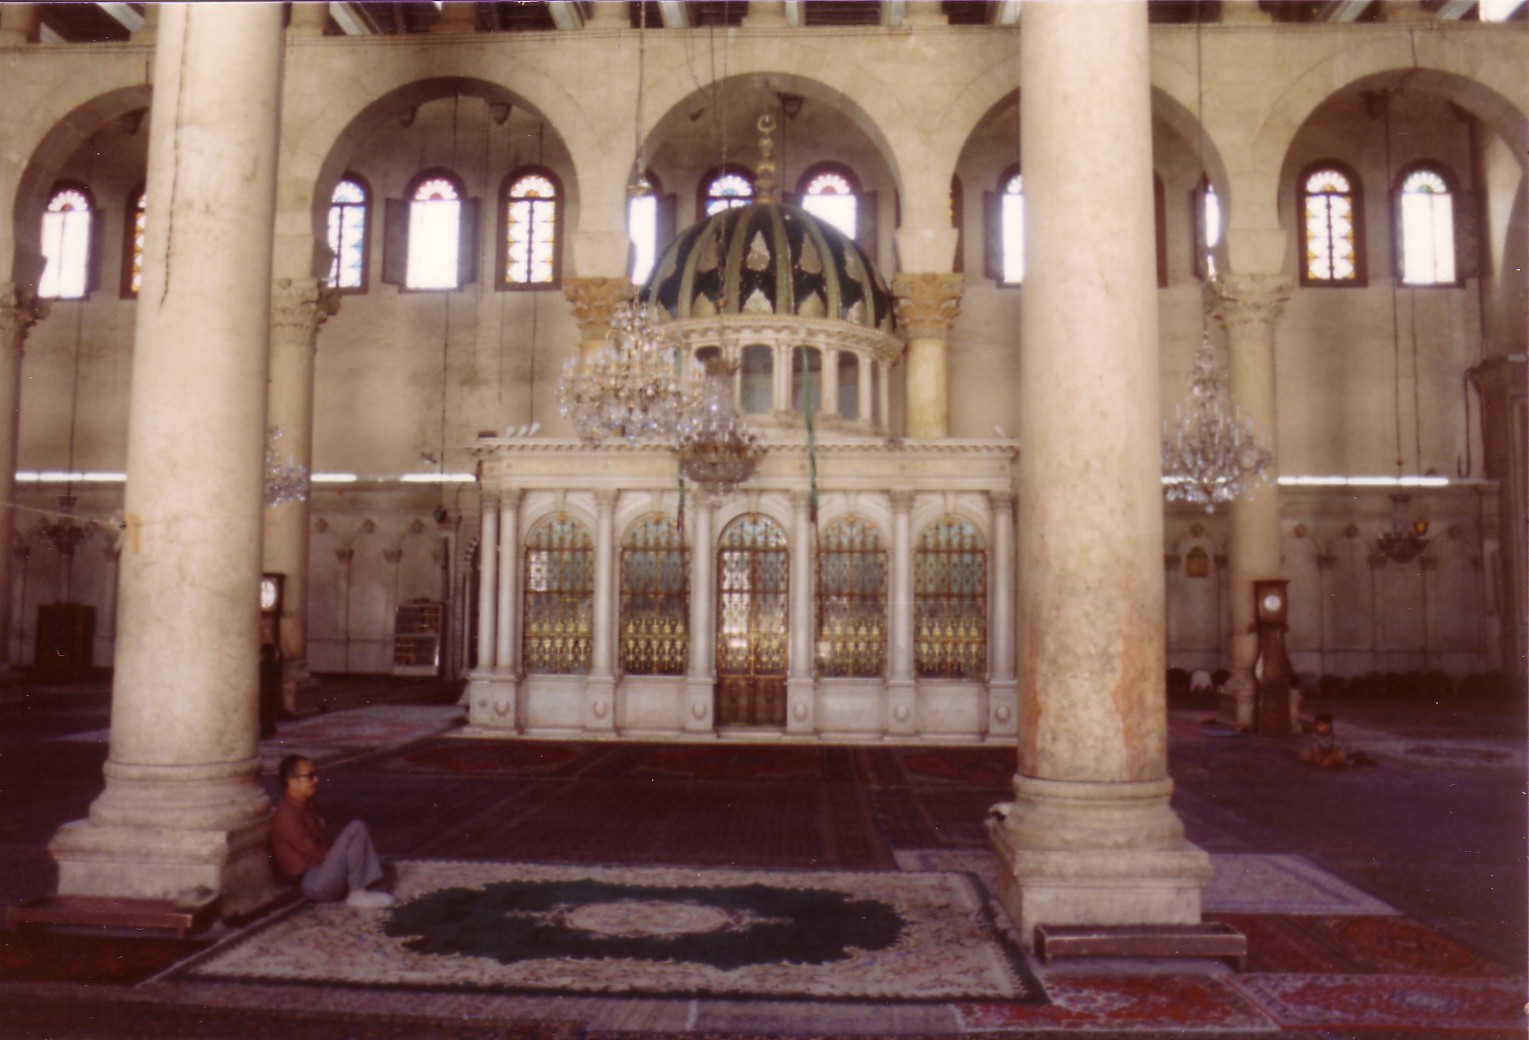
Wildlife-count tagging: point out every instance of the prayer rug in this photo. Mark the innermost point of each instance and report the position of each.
(1282, 884)
(1123, 1002)
(35, 956)
(1303, 1001)
(1369, 945)
(519, 927)
(383, 725)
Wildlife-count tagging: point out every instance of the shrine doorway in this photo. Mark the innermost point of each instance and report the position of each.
(753, 568)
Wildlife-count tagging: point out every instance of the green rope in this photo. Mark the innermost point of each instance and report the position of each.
(812, 445)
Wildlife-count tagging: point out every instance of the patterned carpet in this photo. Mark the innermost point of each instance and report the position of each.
(505, 928)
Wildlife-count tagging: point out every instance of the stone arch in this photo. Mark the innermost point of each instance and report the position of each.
(68, 131)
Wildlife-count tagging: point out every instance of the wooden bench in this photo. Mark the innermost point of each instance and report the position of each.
(1212, 939)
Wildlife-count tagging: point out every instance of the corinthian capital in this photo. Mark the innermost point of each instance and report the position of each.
(927, 304)
(302, 305)
(20, 309)
(594, 300)
(1249, 301)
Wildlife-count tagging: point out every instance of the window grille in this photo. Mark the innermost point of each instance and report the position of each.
(752, 600)
(950, 601)
(347, 235)
(559, 583)
(852, 599)
(655, 599)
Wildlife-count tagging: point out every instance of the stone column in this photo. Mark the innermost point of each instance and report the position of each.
(19, 24)
(20, 309)
(1501, 383)
(1247, 307)
(801, 683)
(594, 300)
(700, 683)
(507, 623)
(488, 587)
(299, 307)
(1002, 687)
(600, 690)
(900, 683)
(1090, 837)
(927, 306)
(308, 19)
(183, 816)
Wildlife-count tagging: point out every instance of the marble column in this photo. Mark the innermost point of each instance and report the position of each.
(299, 307)
(183, 816)
(1504, 394)
(927, 306)
(700, 682)
(488, 587)
(901, 687)
(594, 300)
(1090, 837)
(1248, 307)
(801, 683)
(20, 309)
(19, 24)
(506, 621)
(1002, 686)
(600, 689)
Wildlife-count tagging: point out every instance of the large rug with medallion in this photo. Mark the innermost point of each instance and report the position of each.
(670, 931)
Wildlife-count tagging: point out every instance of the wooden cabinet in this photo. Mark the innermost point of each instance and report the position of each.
(417, 631)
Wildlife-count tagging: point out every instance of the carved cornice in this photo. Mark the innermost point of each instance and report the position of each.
(20, 309)
(300, 306)
(594, 300)
(927, 304)
(1249, 302)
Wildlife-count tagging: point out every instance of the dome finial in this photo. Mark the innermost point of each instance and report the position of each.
(764, 180)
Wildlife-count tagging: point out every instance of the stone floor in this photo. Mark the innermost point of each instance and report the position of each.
(1386, 901)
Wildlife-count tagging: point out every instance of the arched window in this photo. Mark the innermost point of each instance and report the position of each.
(725, 187)
(1006, 229)
(1331, 227)
(1425, 225)
(655, 600)
(66, 241)
(831, 192)
(852, 599)
(348, 210)
(650, 219)
(950, 601)
(1207, 241)
(559, 583)
(430, 236)
(133, 230)
(530, 207)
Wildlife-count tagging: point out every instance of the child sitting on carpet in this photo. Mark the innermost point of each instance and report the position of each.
(345, 868)
(1324, 749)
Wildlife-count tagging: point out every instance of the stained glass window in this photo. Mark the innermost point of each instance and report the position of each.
(1329, 226)
(530, 229)
(950, 601)
(559, 583)
(1012, 222)
(347, 235)
(435, 228)
(831, 195)
(137, 208)
(655, 601)
(66, 244)
(852, 599)
(1426, 229)
(727, 190)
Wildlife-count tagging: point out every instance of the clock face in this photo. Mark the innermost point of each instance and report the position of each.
(267, 594)
(1272, 602)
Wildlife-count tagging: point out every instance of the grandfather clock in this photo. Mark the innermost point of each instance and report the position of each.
(1272, 673)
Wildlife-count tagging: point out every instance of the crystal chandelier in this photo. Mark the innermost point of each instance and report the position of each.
(1405, 541)
(629, 388)
(1210, 453)
(717, 449)
(284, 481)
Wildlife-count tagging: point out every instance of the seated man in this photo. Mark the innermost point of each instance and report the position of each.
(342, 868)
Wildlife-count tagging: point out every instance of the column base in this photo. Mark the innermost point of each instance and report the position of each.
(1003, 708)
(493, 701)
(700, 698)
(600, 704)
(183, 867)
(1074, 853)
(801, 696)
(902, 707)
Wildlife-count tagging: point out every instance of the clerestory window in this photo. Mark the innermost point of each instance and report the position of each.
(531, 207)
(349, 207)
(66, 243)
(1425, 222)
(1331, 227)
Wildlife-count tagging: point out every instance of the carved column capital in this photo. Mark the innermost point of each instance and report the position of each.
(594, 300)
(20, 309)
(927, 304)
(300, 306)
(1245, 302)
(902, 501)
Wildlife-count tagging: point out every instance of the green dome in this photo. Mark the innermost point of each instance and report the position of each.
(769, 259)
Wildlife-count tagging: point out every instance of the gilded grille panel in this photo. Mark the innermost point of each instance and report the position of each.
(753, 565)
(852, 599)
(950, 601)
(655, 599)
(559, 583)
